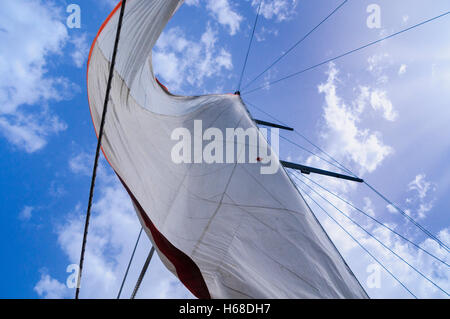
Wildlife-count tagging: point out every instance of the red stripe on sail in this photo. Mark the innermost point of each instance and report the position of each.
(187, 271)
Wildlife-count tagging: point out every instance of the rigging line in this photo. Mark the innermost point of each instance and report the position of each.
(372, 236)
(376, 220)
(427, 232)
(342, 167)
(143, 272)
(295, 144)
(129, 264)
(295, 45)
(423, 229)
(249, 46)
(347, 53)
(308, 151)
(99, 143)
(401, 211)
(355, 240)
(412, 220)
(261, 110)
(418, 225)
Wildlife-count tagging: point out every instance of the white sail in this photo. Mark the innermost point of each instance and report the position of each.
(226, 230)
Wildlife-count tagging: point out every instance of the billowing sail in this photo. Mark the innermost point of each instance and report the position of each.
(224, 229)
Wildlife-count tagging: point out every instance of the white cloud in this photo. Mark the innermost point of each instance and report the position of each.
(30, 132)
(405, 19)
(359, 260)
(376, 62)
(355, 256)
(223, 12)
(362, 146)
(81, 50)
(368, 206)
(179, 60)
(26, 213)
(80, 164)
(391, 209)
(23, 61)
(192, 2)
(343, 125)
(423, 209)
(113, 230)
(279, 10)
(380, 101)
(437, 272)
(33, 31)
(50, 288)
(378, 65)
(423, 200)
(21, 136)
(420, 185)
(263, 32)
(346, 137)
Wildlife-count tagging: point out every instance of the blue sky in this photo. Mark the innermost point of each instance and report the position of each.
(383, 112)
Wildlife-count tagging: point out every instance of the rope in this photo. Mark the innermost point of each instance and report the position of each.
(143, 271)
(418, 225)
(427, 232)
(299, 134)
(129, 264)
(308, 151)
(372, 236)
(295, 45)
(298, 145)
(342, 167)
(310, 142)
(355, 240)
(97, 153)
(376, 220)
(249, 47)
(345, 54)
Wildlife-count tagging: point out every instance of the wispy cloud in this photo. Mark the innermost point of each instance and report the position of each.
(223, 11)
(30, 132)
(279, 10)
(363, 147)
(380, 101)
(26, 213)
(24, 78)
(422, 200)
(113, 230)
(179, 60)
(80, 50)
(263, 32)
(50, 288)
(81, 164)
(420, 185)
(359, 260)
(344, 136)
(402, 69)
